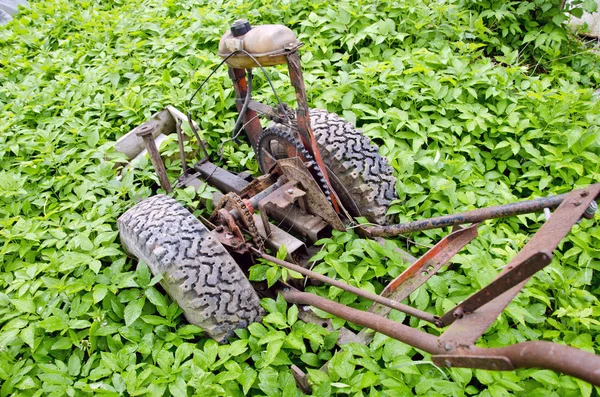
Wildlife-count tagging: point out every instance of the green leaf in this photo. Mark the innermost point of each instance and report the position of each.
(178, 388)
(24, 305)
(292, 315)
(247, 378)
(133, 310)
(158, 300)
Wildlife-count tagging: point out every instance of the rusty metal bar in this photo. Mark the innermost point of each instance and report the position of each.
(303, 121)
(269, 112)
(474, 216)
(184, 165)
(145, 131)
(467, 328)
(516, 275)
(428, 265)
(404, 333)
(349, 288)
(547, 355)
(220, 178)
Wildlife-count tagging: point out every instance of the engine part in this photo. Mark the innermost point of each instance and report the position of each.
(267, 44)
(275, 144)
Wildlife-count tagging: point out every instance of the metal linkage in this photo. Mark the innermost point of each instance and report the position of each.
(462, 218)
(472, 317)
(489, 302)
(428, 265)
(349, 288)
(145, 131)
(547, 355)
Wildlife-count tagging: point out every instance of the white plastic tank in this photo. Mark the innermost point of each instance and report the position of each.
(9, 8)
(592, 20)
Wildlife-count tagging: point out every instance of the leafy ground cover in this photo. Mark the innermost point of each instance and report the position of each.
(475, 103)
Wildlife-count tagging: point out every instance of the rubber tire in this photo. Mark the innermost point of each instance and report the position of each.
(198, 272)
(360, 176)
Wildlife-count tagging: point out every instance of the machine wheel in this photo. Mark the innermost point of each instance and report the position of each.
(198, 272)
(361, 177)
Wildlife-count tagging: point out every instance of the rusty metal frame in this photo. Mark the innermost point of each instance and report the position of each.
(470, 318)
(252, 123)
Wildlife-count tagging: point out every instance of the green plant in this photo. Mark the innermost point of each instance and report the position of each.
(470, 105)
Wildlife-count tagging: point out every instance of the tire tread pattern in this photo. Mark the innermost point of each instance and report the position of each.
(362, 172)
(198, 272)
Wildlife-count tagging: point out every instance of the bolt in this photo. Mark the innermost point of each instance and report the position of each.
(447, 363)
(458, 313)
(577, 204)
(591, 209)
(145, 129)
(290, 191)
(448, 347)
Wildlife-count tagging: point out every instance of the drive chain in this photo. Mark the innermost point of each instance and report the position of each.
(232, 201)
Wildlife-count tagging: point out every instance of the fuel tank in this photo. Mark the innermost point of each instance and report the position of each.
(268, 44)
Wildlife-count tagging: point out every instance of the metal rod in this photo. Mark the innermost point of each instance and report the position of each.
(547, 355)
(474, 216)
(472, 323)
(349, 288)
(303, 122)
(553, 356)
(145, 131)
(404, 333)
(184, 165)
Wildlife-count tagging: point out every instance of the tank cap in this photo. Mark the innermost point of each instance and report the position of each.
(240, 27)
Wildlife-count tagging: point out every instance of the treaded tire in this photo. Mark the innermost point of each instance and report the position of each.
(198, 272)
(359, 175)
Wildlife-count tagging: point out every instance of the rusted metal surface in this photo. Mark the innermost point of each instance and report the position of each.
(257, 185)
(279, 237)
(233, 241)
(426, 266)
(307, 225)
(303, 121)
(225, 208)
(349, 288)
(470, 327)
(222, 179)
(494, 363)
(294, 169)
(251, 122)
(301, 379)
(515, 275)
(404, 333)
(474, 216)
(282, 198)
(269, 112)
(146, 131)
(180, 142)
(546, 355)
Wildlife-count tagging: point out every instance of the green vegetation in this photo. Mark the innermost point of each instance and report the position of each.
(475, 103)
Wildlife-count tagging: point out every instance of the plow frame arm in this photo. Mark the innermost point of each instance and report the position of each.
(469, 319)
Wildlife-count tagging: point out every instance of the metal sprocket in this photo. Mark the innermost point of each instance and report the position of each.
(285, 147)
(232, 201)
